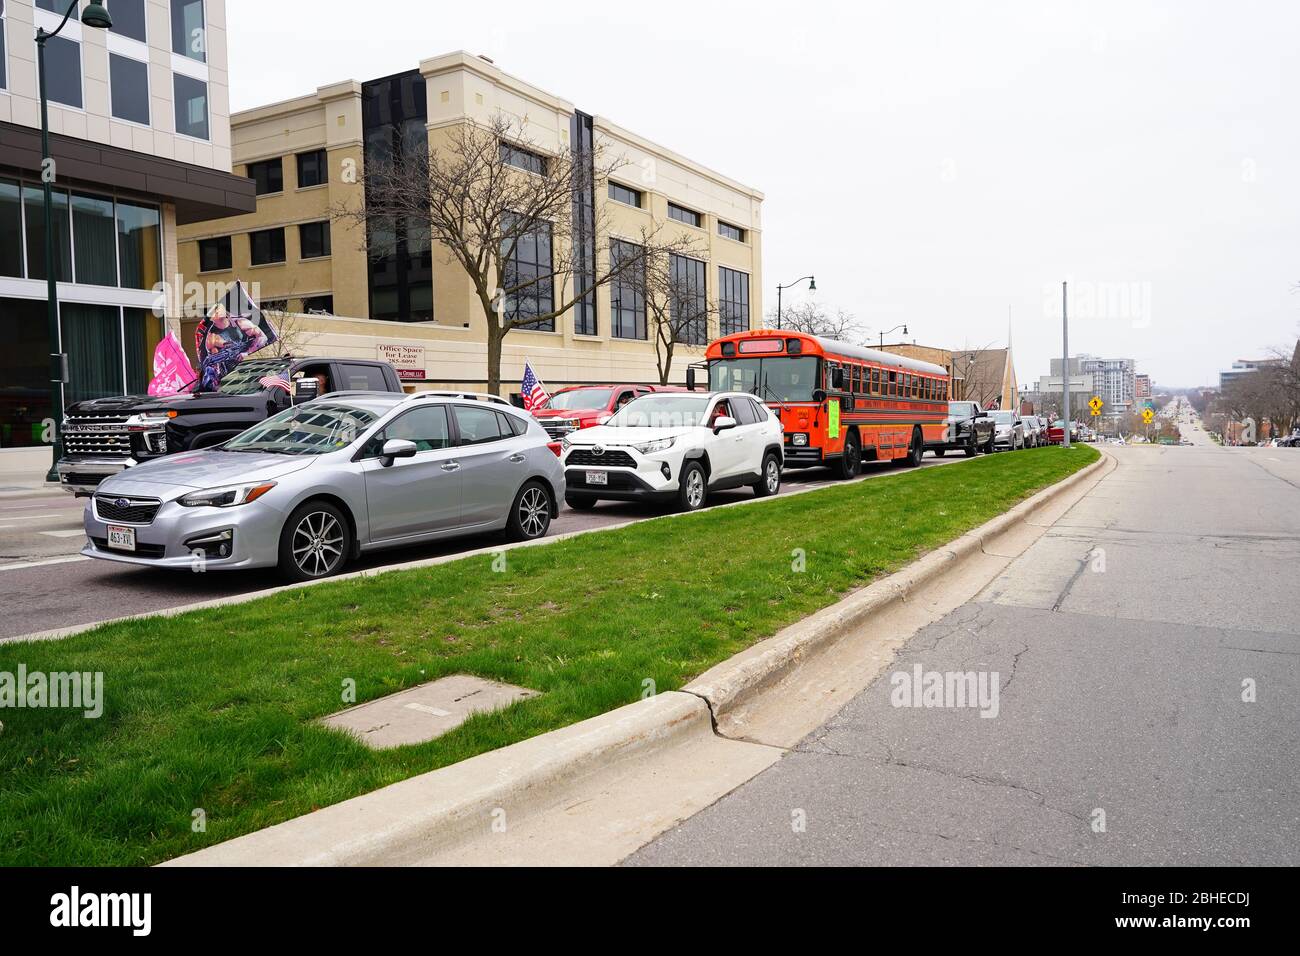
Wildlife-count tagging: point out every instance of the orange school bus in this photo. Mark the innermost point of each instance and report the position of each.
(840, 404)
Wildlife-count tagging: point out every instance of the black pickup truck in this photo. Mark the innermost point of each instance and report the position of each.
(102, 436)
(969, 430)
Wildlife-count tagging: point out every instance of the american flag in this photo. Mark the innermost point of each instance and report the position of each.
(532, 390)
(275, 381)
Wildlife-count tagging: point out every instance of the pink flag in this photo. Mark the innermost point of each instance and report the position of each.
(172, 371)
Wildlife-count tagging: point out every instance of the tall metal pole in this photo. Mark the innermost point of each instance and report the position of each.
(1065, 365)
(51, 279)
(778, 306)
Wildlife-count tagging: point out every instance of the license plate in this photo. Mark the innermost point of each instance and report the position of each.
(597, 477)
(123, 539)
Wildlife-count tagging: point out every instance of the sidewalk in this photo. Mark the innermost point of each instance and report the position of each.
(22, 475)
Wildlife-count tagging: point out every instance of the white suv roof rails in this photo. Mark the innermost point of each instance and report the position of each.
(474, 396)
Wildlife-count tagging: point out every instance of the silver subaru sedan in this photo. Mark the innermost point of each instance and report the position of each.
(325, 481)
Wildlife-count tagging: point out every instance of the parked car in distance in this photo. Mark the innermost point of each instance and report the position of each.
(317, 484)
(1009, 430)
(585, 406)
(1034, 431)
(970, 430)
(676, 447)
(103, 436)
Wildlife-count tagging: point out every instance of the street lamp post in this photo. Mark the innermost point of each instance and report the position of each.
(887, 331)
(95, 15)
(812, 287)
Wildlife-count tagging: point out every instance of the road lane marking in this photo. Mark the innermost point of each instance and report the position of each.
(41, 564)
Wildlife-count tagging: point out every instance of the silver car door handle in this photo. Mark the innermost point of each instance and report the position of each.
(518, 456)
(450, 465)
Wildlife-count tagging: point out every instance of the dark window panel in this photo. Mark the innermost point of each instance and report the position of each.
(689, 305)
(627, 298)
(92, 337)
(625, 194)
(215, 254)
(94, 239)
(682, 214)
(128, 18)
(733, 301)
(25, 372)
(318, 303)
(129, 88)
(523, 158)
(139, 245)
(530, 272)
(314, 240)
(313, 168)
(191, 106)
(267, 176)
(728, 231)
(189, 36)
(266, 246)
(63, 71)
(11, 230)
(34, 207)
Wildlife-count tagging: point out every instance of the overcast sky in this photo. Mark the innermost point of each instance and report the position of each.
(940, 164)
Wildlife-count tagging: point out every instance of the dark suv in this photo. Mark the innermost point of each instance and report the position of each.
(970, 429)
(102, 436)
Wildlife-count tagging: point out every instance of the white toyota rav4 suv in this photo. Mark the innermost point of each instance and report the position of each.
(675, 447)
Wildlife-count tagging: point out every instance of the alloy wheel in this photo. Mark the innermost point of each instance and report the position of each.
(317, 544)
(534, 511)
(773, 476)
(695, 488)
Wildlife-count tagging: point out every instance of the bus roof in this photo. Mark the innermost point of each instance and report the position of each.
(833, 347)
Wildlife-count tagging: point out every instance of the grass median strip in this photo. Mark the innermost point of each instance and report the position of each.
(208, 731)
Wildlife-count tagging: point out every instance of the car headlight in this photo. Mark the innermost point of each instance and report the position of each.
(799, 438)
(148, 420)
(659, 444)
(227, 496)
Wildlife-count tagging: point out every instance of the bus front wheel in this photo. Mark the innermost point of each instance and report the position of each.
(850, 465)
(914, 451)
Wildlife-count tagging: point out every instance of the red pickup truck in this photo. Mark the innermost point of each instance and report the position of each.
(582, 406)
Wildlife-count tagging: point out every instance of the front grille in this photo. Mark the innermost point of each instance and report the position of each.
(586, 458)
(96, 436)
(558, 429)
(141, 550)
(82, 478)
(129, 510)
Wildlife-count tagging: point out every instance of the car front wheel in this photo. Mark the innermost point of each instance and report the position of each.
(315, 542)
(692, 488)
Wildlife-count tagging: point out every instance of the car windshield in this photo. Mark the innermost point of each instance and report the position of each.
(581, 398)
(246, 377)
(784, 379)
(960, 408)
(662, 411)
(313, 429)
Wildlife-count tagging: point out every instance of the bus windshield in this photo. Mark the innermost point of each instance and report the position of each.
(783, 379)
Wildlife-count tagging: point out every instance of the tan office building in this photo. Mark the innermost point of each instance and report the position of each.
(421, 312)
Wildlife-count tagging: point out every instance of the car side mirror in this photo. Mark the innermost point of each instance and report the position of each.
(305, 389)
(690, 378)
(396, 448)
(723, 423)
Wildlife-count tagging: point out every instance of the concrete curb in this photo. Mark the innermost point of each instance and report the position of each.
(408, 821)
(734, 682)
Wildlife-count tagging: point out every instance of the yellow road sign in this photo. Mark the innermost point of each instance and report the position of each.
(1096, 413)
(1147, 415)
(1095, 404)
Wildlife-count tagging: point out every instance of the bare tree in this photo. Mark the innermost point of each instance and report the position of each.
(508, 212)
(813, 318)
(667, 284)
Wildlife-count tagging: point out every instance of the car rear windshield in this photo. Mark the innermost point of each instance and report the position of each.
(313, 429)
(246, 377)
(1004, 418)
(581, 398)
(662, 411)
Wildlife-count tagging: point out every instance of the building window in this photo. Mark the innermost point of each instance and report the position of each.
(34, 212)
(627, 296)
(625, 194)
(11, 229)
(129, 88)
(139, 245)
(682, 214)
(581, 137)
(689, 300)
(313, 169)
(268, 176)
(188, 36)
(733, 301)
(321, 304)
(215, 254)
(727, 231)
(529, 276)
(313, 240)
(191, 106)
(63, 71)
(266, 247)
(128, 19)
(94, 237)
(523, 158)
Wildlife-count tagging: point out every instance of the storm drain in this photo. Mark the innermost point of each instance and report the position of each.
(424, 712)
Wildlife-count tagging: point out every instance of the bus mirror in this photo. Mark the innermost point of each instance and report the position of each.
(690, 378)
(819, 396)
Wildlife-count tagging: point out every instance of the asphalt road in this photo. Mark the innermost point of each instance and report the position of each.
(1123, 641)
(45, 584)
